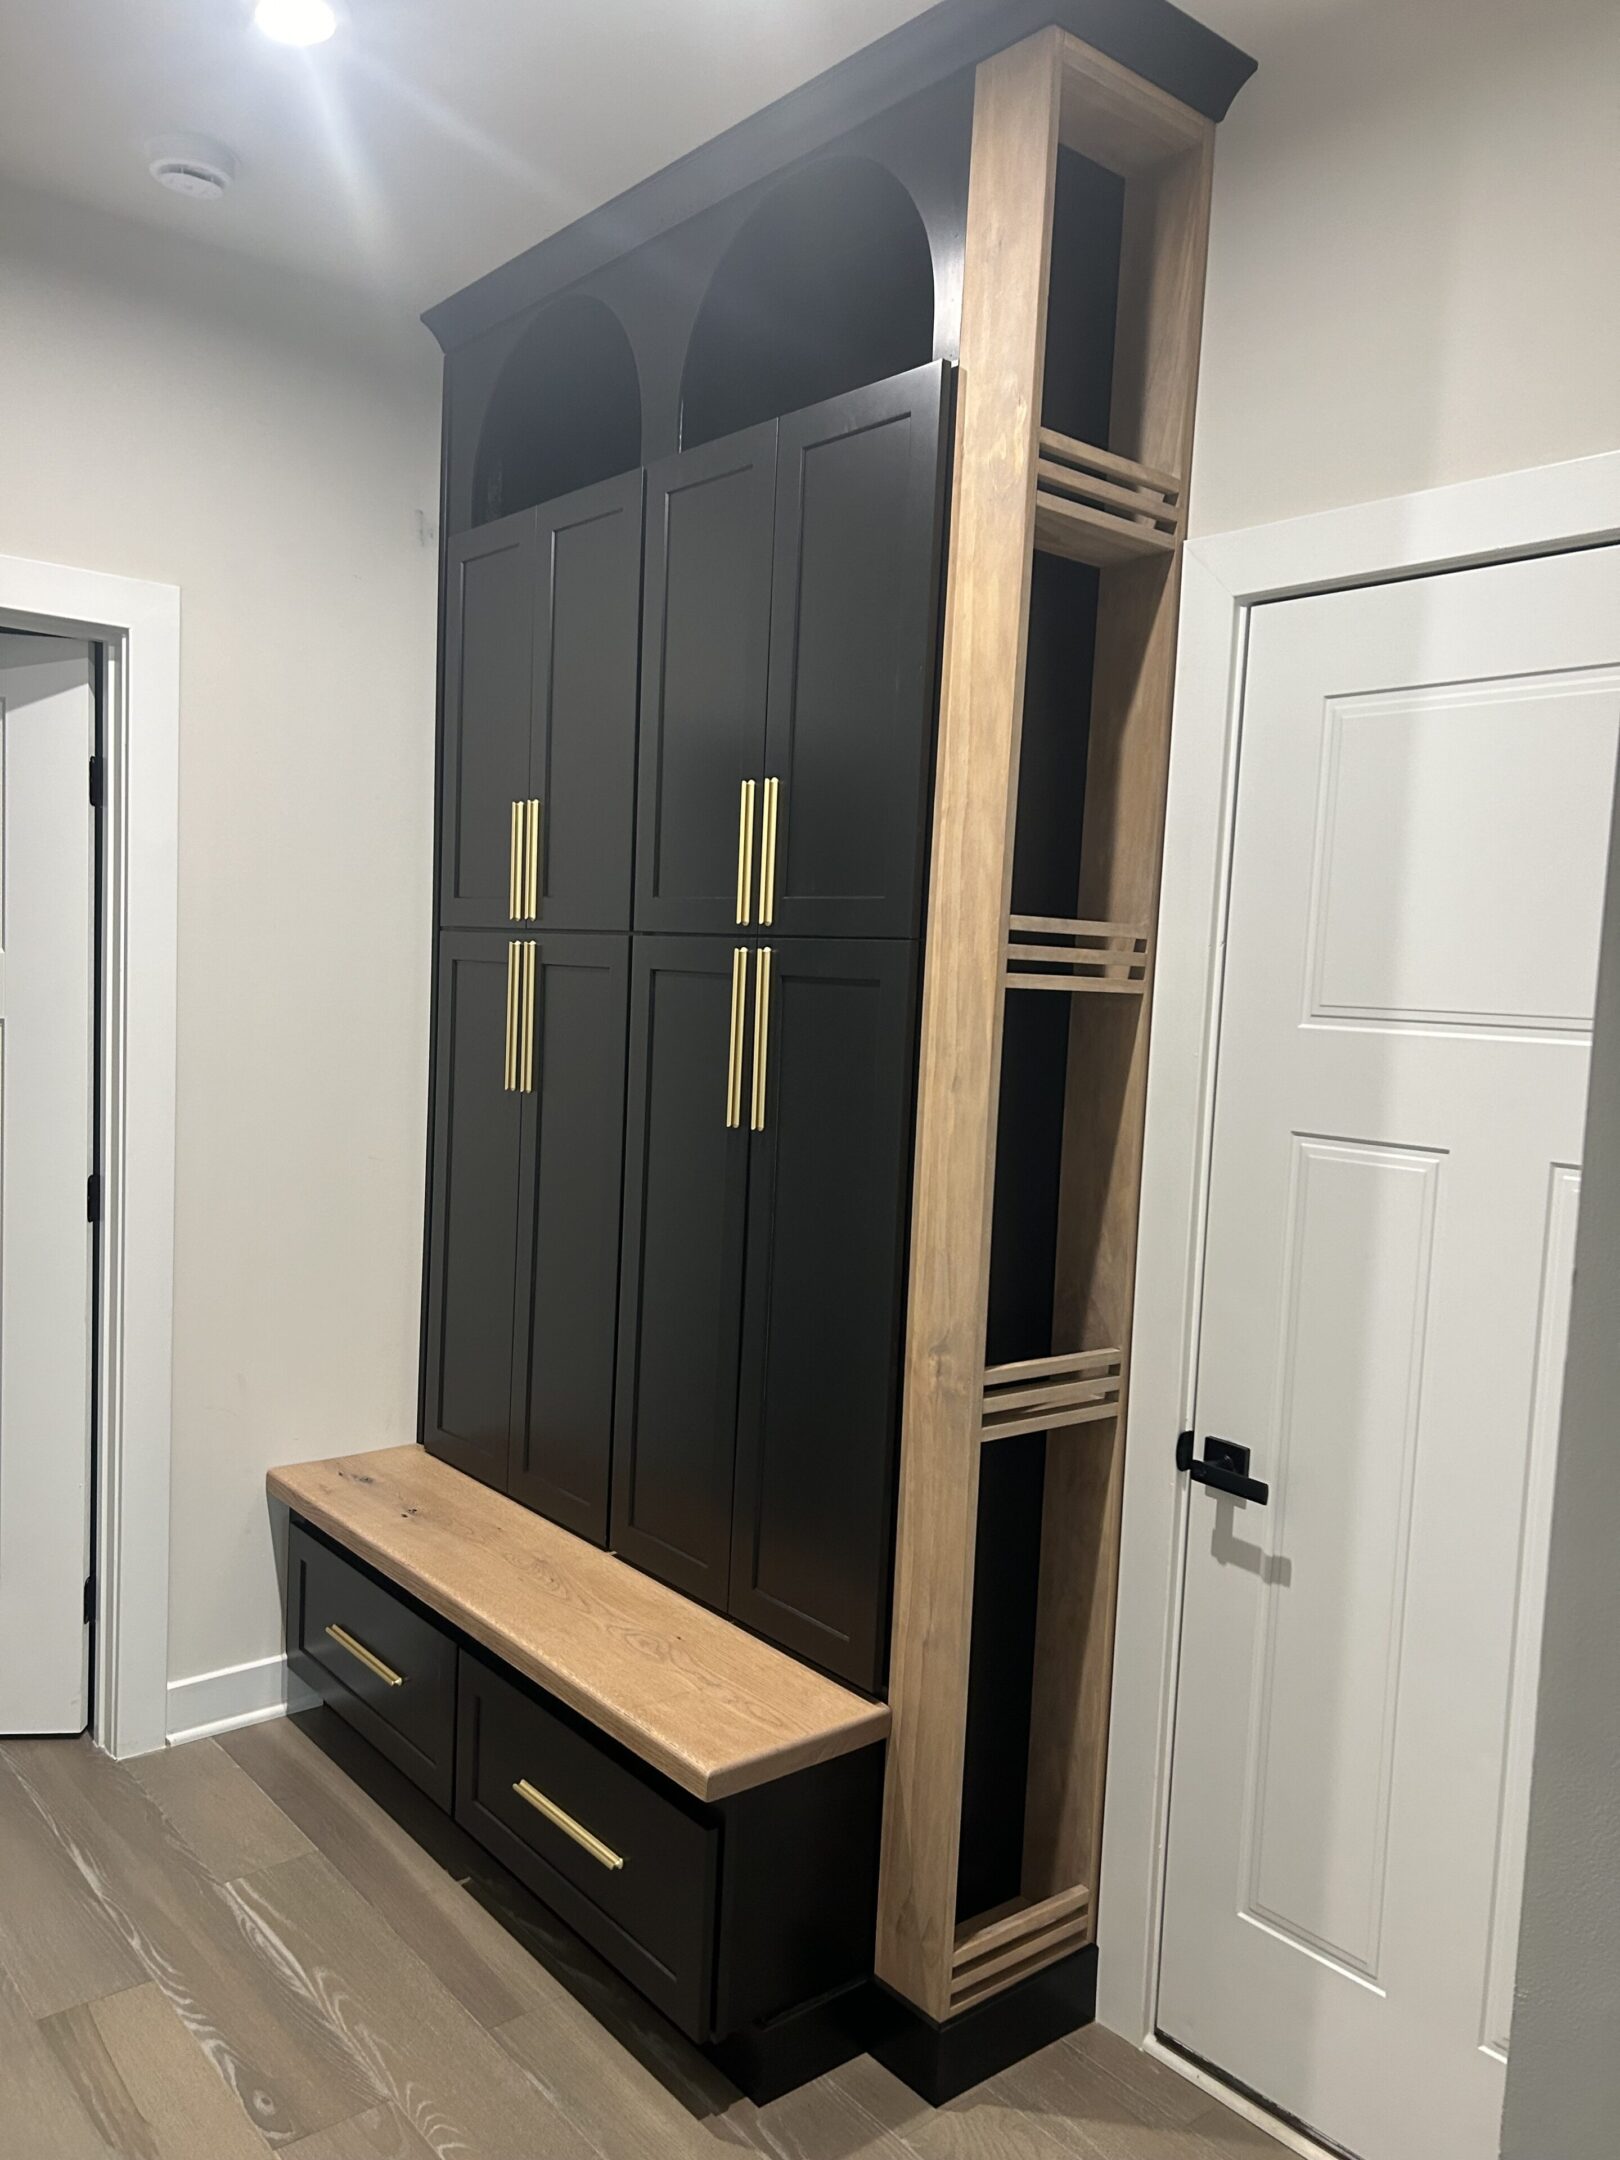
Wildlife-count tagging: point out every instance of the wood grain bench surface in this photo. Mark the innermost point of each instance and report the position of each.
(698, 1698)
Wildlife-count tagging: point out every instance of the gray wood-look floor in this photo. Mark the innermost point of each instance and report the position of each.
(232, 1947)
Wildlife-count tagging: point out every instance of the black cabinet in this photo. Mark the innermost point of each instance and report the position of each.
(686, 1176)
(849, 726)
(829, 1189)
(541, 664)
(523, 1250)
(706, 643)
(788, 680)
(766, 1194)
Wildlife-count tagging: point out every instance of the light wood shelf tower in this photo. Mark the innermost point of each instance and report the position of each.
(1024, 488)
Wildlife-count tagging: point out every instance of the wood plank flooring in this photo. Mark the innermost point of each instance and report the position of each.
(232, 1948)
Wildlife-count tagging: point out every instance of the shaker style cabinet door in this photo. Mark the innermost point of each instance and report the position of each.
(478, 1211)
(686, 1172)
(538, 783)
(582, 780)
(491, 605)
(828, 1203)
(850, 728)
(705, 644)
(574, 1045)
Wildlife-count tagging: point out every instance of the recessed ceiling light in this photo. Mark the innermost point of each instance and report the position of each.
(296, 22)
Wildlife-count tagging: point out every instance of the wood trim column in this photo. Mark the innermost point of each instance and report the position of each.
(1005, 277)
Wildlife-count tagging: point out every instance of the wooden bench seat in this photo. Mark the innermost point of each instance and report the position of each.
(698, 1698)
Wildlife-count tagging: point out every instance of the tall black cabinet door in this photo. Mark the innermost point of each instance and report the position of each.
(686, 1173)
(704, 657)
(488, 699)
(477, 1259)
(828, 1208)
(562, 1441)
(849, 738)
(583, 774)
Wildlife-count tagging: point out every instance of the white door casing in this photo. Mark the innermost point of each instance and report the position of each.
(46, 1153)
(1421, 832)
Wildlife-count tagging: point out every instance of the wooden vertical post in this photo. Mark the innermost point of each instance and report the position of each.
(1009, 230)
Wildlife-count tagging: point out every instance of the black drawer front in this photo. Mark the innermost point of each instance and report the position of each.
(342, 1626)
(635, 1874)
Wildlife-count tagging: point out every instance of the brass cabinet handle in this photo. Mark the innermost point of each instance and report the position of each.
(514, 865)
(734, 1056)
(745, 849)
(509, 1071)
(530, 969)
(767, 855)
(368, 1658)
(762, 1029)
(567, 1825)
(532, 860)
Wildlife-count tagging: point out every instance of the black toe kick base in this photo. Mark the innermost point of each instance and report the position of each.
(767, 2060)
(941, 2061)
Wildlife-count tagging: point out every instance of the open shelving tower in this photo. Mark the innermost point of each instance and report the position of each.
(1083, 287)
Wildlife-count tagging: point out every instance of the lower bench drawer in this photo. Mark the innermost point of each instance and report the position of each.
(381, 1664)
(613, 1849)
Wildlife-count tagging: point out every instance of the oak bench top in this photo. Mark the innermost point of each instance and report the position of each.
(683, 1688)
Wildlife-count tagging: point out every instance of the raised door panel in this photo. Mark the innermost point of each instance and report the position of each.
(686, 1172)
(478, 1210)
(488, 701)
(850, 728)
(583, 775)
(562, 1444)
(829, 1184)
(705, 647)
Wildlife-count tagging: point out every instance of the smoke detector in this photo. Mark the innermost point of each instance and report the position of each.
(191, 165)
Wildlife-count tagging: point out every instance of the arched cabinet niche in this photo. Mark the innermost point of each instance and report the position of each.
(829, 284)
(566, 410)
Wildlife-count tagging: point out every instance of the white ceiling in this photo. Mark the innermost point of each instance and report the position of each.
(430, 139)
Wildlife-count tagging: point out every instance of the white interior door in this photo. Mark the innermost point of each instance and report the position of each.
(1423, 811)
(46, 1108)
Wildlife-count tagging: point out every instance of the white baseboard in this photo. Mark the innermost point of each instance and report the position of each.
(216, 1702)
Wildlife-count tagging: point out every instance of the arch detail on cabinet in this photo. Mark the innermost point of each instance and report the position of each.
(565, 411)
(827, 286)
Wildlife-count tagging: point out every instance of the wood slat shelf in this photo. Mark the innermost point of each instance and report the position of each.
(698, 1698)
(1050, 952)
(1046, 1394)
(1009, 1944)
(1094, 506)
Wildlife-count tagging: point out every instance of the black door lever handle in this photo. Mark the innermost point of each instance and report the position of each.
(1224, 1469)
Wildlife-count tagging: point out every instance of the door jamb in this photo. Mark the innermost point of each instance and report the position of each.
(137, 625)
(1544, 510)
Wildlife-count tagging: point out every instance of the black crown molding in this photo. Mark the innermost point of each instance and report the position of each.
(1150, 37)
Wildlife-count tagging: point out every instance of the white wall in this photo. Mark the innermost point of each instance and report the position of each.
(1563, 2090)
(1412, 254)
(272, 449)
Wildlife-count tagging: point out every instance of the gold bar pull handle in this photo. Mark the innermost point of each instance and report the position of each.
(368, 1658)
(514, 866)
(762, 1033)
(745, 850)
(734, 1056)
(530, 972)
(767, 854)
(567, 1824)
(510, 1069)
(531, 867)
